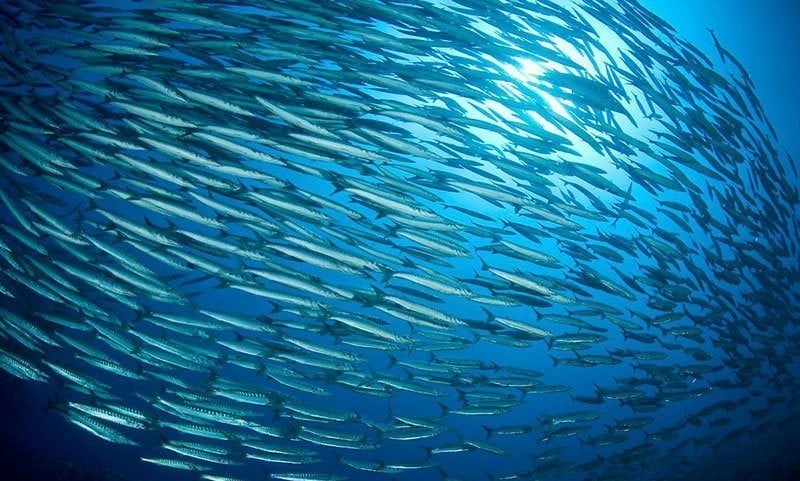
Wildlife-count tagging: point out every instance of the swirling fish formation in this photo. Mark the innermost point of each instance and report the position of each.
(383, 239)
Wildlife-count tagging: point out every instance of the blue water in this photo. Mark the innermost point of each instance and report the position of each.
(760, 35)
(41, 444)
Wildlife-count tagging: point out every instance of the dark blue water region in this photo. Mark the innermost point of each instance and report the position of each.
(37, 444)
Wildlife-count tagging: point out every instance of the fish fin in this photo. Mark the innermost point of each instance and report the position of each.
(189, 131)
(484, 265)
(275, 307)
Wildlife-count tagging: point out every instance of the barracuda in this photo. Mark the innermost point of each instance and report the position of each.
(338, 254)
(391, 205)
(522, 281)
(104, 432)
(108, 415)
(253, 231)
(292, 119)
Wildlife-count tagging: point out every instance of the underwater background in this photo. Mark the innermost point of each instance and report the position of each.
(399, 240)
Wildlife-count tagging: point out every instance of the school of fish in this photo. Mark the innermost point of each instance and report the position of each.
(385, 239)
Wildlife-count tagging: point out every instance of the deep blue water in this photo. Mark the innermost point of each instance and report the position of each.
(751, 350)
(760, 34)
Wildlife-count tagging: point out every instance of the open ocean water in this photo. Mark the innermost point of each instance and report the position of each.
(399, 240)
